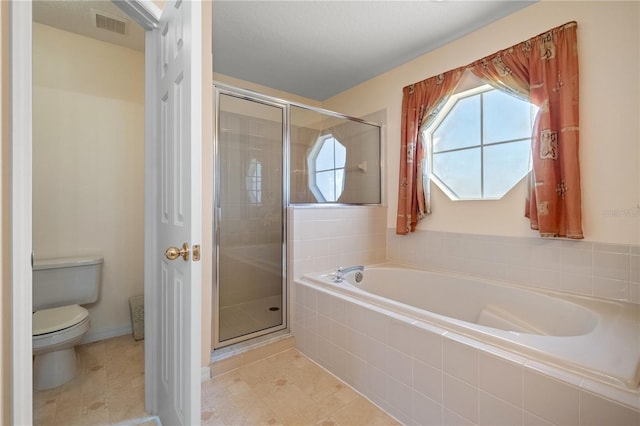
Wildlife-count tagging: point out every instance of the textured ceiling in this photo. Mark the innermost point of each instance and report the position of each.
(318, 49)
(314, 49)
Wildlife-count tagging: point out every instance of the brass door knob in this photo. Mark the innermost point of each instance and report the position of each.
(173, 253)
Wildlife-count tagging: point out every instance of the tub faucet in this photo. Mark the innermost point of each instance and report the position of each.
(338, 276)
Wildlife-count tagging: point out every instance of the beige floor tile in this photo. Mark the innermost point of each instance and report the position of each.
(362, 412)
(283, 389)
(123, 407)
(109, 387)
(286, 389)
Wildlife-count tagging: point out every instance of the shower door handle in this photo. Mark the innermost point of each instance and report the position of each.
(173, 253)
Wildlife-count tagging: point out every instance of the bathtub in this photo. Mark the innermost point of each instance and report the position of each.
(588, 343)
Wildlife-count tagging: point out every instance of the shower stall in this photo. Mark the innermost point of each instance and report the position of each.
(270, 153)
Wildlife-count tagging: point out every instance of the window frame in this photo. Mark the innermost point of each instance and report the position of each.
(427, 138)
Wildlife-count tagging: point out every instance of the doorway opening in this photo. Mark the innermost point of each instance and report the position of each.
(88, 196)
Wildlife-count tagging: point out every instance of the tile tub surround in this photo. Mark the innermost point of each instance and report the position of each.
(423, 375)
(608, 271)
(404, 369)
(323, 238)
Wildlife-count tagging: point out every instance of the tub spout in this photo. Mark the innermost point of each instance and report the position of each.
(338, 276)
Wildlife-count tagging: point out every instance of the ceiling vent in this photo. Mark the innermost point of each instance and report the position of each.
(108, 22)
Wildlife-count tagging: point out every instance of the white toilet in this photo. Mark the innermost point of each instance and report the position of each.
(60, 286)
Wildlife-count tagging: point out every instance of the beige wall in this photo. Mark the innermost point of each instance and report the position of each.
(609, 40)
(5, 229)
(88, 162)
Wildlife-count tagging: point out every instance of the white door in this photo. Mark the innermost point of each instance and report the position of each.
(173, 287)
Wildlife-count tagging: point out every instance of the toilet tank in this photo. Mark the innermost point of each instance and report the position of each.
(59, 282)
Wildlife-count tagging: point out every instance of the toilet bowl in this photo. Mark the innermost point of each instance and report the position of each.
(56, 332)
(59, 322)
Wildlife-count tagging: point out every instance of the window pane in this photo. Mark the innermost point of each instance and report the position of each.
(505, 117)
(461, 127)
(460, 171)
(254, 181)
(324, 160)
(326, 184)
(341, 154)
(339, 183)
(504, 166)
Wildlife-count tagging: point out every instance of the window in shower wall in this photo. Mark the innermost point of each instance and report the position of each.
(249, 297)
(333, 159)
(326, 164)
(254, 181)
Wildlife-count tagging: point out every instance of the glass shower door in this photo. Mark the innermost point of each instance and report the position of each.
(250, 219)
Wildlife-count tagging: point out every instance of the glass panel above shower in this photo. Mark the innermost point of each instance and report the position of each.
(333, 159)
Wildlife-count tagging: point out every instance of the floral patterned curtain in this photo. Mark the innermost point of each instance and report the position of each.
(543, 70)
(420, 104)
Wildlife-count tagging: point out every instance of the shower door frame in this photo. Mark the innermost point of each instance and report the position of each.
(223, 89)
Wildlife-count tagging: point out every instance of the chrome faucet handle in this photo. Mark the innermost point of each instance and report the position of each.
(337, 275)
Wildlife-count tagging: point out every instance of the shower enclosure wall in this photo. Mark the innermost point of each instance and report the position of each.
(255, 135)
(249, 218)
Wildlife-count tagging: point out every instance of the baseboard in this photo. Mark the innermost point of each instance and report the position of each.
(95, 335)
(140, 421)
(205, 373)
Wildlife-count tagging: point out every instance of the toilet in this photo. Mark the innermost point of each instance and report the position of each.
(60, 286)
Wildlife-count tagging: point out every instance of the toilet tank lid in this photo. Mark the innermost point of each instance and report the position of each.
(65, 262)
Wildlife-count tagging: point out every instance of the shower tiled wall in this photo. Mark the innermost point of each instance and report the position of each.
(323, 238)
(609, 271)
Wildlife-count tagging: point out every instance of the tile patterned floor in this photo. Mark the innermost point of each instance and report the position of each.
(109, 388)
(285, 389)
(282, 389)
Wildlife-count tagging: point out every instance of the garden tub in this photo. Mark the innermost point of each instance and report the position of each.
(590, 343)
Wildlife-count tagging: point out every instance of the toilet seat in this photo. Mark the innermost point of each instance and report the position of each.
(52, 320)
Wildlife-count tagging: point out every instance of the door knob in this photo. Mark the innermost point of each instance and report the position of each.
(173, 253)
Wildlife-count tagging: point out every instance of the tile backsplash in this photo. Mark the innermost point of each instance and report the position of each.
(323, 238)
(609, 271)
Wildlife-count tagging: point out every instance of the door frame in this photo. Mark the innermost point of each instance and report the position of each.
(20, 21)
(147, 14)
